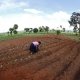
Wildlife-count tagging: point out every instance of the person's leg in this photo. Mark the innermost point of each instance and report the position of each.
(35, 49)
(31, 48)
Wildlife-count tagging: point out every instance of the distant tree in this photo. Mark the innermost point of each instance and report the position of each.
(53, 29)
(35, 30)
(26, 29)
(14, 31)
(63, 29)
(11, 30)
(30, 30)
(43, 27)
(47, 29)
(40, 29)
(8, 32)
(75, 21)
(58, 32)
(61, 26)
(15, 26)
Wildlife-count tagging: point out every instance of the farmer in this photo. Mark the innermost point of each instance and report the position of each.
(34, 47)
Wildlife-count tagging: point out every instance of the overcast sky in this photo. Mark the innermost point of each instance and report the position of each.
(35, 13)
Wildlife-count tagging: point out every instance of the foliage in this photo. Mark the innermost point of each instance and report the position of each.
(40, 29)
(35, 30)
(43, 29)
(26, 29)
(11, 30)
(58, 32)
(15, 26)
(30, 30)
(14, 31)
(75, 21)
(47, 29)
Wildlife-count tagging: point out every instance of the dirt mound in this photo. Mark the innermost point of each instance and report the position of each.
(58, 59)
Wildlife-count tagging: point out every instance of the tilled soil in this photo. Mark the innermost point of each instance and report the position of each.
(58, 59)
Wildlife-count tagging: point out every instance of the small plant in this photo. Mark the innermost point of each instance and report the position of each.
(58, 32)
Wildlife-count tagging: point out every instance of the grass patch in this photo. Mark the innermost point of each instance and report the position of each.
(5, 36)
(72, 36)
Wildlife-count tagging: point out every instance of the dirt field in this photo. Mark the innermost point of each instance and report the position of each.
(58, 59)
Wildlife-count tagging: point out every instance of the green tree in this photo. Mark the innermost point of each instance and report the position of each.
(14, 31)
(11, 30)
(30, 30)
(47, 29)
(43, 27)
(75, 21)
(35, 30)
(58, 32)
(15, 26)
(26, 29)
(40, 29)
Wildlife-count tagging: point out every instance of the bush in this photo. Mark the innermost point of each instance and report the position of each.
(35, 30)
(14, 31)
(58, 32)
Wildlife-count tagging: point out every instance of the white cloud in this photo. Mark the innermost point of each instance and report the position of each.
(59, 15)
(34, 11)
(53, 20)
(5, 4)
(59, 18)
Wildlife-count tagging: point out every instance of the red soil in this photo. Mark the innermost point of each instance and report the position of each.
(58, 59)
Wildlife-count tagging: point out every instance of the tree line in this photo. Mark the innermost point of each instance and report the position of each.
(13, 30)
(45, 29)
(35, 30)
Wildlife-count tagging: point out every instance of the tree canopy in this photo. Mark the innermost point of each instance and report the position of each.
(35, 30)
(75, 21)
(15, 26)
(13, 29)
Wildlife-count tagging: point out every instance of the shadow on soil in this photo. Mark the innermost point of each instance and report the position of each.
(77, 76)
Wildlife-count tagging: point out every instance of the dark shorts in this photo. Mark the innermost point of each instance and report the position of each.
(33, 48)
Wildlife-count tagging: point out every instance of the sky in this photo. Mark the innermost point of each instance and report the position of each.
(35, 13)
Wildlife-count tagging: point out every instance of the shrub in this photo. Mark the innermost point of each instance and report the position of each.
(58, 32)
(35, 30)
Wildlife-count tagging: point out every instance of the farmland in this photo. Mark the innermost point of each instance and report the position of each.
(58, 59)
